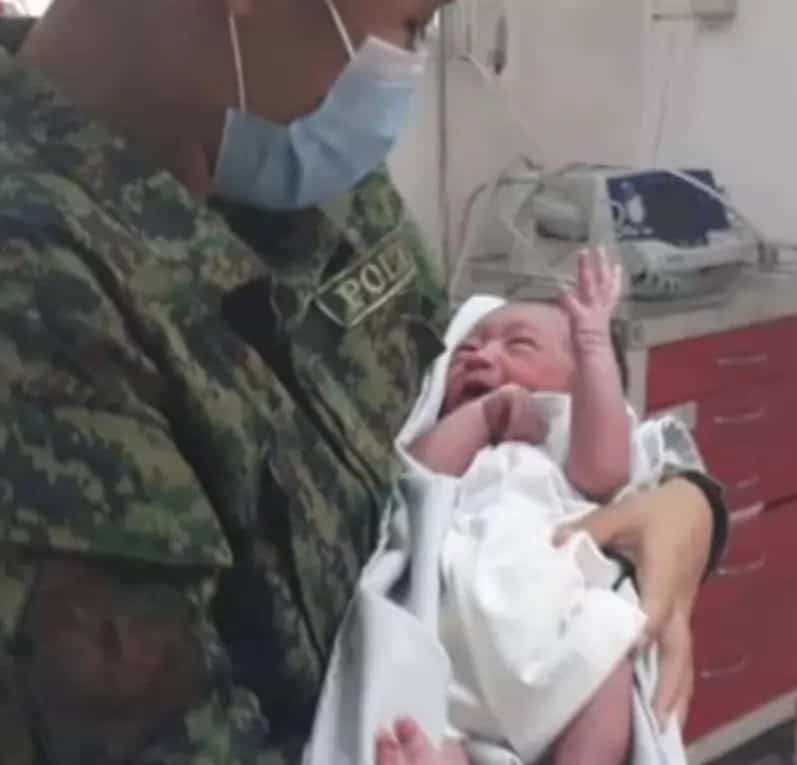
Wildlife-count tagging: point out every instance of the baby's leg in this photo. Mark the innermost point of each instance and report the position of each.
(601, 734)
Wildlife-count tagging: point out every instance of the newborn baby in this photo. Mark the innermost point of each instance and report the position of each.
(517, 482)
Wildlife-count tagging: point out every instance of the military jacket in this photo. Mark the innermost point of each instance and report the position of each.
(176, 393)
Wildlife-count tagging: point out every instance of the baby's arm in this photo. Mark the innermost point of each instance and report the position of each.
(599, 461)
(506, 414)
(452, 443)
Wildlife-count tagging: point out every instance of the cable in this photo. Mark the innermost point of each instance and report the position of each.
(666, 92)
(511, 116)
(682, 46)
(466, 228)
(530, 163)
(536, 179)
(502, 180)
(514, 121)
(443, 151)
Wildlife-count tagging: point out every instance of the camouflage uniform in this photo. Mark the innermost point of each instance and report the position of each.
(179, 415)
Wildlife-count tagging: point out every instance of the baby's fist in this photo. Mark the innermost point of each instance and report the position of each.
(513, 415)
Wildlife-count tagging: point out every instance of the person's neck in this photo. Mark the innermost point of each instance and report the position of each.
(81, 48)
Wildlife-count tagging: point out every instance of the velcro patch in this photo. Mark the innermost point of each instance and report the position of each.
(355, 293)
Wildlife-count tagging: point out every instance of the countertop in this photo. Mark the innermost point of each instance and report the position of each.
(754, 298)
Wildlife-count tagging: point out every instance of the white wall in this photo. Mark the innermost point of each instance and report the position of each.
(737, 111)
(414, 163)
(573, 90)
(597, 80)
(570, 63)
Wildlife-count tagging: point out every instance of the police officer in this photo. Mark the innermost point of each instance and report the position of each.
(197, 406)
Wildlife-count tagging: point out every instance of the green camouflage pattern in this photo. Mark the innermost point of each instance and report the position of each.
(174, 393)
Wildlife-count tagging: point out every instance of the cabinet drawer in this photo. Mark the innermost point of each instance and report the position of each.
(740, 689)
(728, 592)
(693, 368)
(726, 666)
(745, 622)
(763, 471)
(773, 610)
(721, 621)
(776, 641)
(779, 540)
(758, 570)
(748, 413)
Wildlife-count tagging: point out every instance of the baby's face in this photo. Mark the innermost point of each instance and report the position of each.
(524, 344)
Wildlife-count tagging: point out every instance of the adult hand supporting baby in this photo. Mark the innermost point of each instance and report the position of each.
(408, 745)
(666, 532)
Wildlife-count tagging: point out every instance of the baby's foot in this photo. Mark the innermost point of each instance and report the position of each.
(409, 746)
(453, 754)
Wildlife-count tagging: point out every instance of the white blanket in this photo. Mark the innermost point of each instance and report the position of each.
(532, 630)
(389, 660)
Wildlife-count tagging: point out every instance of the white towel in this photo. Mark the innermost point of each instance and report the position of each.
(533, 630)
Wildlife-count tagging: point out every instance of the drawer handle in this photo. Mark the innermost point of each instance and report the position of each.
(746, 514)
(755, 360)
(748, 483)
(724, 672)
(745, 569)
(741, 419)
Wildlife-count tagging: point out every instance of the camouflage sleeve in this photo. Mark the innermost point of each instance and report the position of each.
(434, 296)
(87, 460)
(226, 729)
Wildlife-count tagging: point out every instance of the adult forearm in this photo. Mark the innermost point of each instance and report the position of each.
(706, 498)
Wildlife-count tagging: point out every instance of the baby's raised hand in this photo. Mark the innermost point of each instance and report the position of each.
(592, 302)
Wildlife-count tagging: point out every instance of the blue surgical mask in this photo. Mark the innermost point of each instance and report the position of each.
(327, 152)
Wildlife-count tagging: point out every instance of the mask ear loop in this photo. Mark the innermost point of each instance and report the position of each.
(341, 27)
(238, 61)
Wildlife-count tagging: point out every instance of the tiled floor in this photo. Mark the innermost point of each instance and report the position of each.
(773, 748)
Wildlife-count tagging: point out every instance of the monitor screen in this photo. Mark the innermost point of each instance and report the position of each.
(658, 205)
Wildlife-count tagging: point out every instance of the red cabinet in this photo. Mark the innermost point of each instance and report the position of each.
(746, 623)
(742, 387)
(696, 368)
